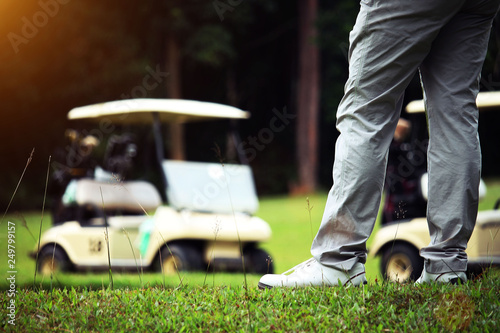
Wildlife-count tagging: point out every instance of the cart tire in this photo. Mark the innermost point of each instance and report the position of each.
(52, 259)
(497, 205)
(258, 261)
(179, 257)
(401, 263)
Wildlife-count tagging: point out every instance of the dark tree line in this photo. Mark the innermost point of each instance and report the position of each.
(264, 56)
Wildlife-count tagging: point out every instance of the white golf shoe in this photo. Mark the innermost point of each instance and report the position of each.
(448, 277)
(312, 273)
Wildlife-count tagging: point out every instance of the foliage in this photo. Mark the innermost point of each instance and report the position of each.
(94, 51)
(334, 23)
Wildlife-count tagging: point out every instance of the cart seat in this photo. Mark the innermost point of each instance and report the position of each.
(130, 196)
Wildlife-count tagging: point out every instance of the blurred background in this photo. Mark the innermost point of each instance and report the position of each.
(268, 57)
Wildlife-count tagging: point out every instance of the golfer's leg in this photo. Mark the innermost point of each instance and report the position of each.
(450, 76)
(389, 41)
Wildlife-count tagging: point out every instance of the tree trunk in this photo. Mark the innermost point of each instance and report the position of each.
(174, 90)
(307, 98)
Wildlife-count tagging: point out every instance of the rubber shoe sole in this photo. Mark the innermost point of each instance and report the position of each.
(312, 273)
(446, 278)
(263, 286)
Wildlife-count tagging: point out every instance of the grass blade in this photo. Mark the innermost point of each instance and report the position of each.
(41, 220)
(17, 186)
(106, 234)
(133, 253)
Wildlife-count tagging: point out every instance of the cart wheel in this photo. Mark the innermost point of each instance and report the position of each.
(179, 257)
(258, 261)
(401, 263)
(52, 259)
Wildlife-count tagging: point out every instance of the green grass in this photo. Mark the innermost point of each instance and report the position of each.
(291, 226)
(377, 307)
(492, 194)
(84, 302)
(290, 245)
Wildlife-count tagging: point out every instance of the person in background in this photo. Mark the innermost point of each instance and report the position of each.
(405, 167)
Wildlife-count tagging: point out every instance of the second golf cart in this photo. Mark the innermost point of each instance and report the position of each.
(399, 242)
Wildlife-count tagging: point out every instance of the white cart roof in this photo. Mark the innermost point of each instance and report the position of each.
(140, 110)
(484, 100)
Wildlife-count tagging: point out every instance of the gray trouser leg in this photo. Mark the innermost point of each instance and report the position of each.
(450, 77)
(389, 41)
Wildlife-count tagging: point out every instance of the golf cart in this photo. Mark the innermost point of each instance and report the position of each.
(399, 242)
(199, 214)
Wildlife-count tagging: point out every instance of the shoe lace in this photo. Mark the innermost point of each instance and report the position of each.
(299, 266)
